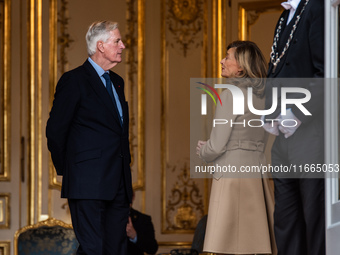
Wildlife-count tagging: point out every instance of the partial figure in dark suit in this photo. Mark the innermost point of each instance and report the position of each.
(141, 234)
(198, 240)
(87, 135)
(298, 52)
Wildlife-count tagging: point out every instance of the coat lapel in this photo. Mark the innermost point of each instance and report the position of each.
(99, 88)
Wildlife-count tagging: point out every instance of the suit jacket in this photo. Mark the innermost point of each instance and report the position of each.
(88, 145)
(146, 241)
(303, 59)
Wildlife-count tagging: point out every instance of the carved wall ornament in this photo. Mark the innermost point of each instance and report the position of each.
(185, 21)
(253, 16)
(64, 38)
(185, 205)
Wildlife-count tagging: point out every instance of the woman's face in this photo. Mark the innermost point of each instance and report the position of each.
(230, 67)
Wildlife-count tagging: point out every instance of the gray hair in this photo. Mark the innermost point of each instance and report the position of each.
(98, 31)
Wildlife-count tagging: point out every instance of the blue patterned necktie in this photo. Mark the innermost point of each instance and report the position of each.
(106, 76)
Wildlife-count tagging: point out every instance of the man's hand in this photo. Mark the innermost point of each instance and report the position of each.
(130, 230)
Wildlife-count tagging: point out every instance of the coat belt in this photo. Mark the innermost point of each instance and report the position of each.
(245, 145)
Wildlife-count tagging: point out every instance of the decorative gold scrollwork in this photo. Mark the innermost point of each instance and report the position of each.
(185, 205)
(64, 38)
(184, 20)
(185, 11)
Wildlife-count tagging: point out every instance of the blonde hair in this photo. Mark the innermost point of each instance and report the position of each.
(98, 31)
(253, 64)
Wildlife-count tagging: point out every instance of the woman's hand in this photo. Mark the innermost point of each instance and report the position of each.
(199, 146)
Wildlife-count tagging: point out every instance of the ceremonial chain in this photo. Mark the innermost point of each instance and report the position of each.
(274, 56)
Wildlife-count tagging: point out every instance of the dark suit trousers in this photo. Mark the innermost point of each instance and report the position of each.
(299, 215)
(100, 225)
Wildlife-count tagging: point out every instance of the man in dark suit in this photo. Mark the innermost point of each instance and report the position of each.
(141, 234)
(87, 135)
(298, 52)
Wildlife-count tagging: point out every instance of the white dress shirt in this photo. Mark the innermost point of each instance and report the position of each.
(291, 5)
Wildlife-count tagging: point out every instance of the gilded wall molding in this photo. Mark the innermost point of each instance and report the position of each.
(5, 210)
(34, 109)
(179, 215)
(5, 90)
(175, 244)
(249, 12)
(218, 41)
(5, 247)
(184, 21)
(54, 183)
(134, 42)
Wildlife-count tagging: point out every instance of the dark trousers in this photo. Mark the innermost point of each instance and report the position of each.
(299, 215)
(299, 218)
(100, 225)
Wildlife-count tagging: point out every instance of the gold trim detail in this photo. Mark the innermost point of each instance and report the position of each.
(2, 215)
(34, 67)
(5, 247)
(5, 87)
(219, 20)
(50, 222)
(39, 108)
(184, 20)
(53, 67)
(135, 60)
(5, 199)
(177, 244)
(31, 111)
(249, 12)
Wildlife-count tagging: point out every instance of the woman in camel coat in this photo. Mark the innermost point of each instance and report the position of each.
(240, 217)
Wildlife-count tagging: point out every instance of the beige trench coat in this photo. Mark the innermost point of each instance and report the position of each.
(240, 216)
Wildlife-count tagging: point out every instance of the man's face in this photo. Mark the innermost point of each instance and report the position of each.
(113, 48)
